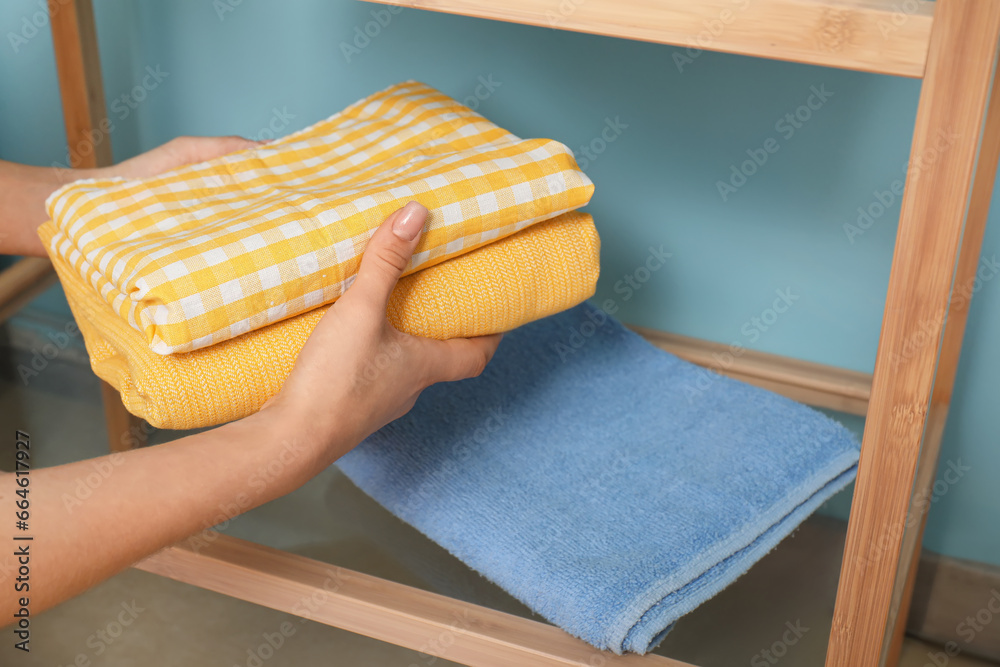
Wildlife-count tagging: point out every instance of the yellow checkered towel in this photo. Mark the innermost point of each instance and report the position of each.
(537, 272)
(207, 252)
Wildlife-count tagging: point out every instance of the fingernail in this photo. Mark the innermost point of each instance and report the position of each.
(409, 221)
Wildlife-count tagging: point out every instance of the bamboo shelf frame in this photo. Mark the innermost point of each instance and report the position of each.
(952, 45)
(883, 36)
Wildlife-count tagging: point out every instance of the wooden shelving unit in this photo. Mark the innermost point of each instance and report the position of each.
(952, 45)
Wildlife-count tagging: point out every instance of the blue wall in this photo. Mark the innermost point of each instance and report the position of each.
(242, 66)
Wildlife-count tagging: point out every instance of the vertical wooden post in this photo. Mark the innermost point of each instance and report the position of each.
(951, 345)
(884, 525)
(74, 40)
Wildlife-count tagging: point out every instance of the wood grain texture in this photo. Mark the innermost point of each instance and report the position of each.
(807, 382)
(885, 36)
(868, 35)
(385, 610)
(950, 115)
(74, 40)
(125, 430)
(951, 346)
(913, 534)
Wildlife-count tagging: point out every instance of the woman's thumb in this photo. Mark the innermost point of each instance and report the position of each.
(389, 251)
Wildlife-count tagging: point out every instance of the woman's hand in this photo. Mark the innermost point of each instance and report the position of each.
(356, 373)
(24, 189)
(177, 153)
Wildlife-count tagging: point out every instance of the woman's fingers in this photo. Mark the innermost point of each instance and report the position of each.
(199, 149)
(387, 254)
(460, 358)
(177, 153)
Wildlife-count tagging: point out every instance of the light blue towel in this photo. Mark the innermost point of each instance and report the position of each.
(608, 485)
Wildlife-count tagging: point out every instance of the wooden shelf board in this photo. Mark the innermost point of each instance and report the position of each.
(883, 36)
(382, 609)
(815, 384)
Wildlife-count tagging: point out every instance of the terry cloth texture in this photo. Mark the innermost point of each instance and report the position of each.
(610, 486)
(209, 251)
(539, 271)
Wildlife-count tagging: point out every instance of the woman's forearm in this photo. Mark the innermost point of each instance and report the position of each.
(23, 191)
(148, 499)
(339, 392)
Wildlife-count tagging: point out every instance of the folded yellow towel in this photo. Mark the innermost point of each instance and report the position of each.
(537, 272)
(210, 251)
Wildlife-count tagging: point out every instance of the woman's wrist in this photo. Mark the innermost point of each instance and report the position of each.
(64, 176)
(303, 444)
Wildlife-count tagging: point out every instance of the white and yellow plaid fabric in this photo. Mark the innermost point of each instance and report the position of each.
(210, 251)
(536, 272)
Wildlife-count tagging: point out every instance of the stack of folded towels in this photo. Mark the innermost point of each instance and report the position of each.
(196, 289)
(609, 485)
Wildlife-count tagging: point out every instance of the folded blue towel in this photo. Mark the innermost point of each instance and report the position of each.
(608, 485)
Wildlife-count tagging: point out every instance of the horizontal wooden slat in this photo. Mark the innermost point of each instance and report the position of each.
(388, 611)
(22, 282)
(815, 384)
(885, 36)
